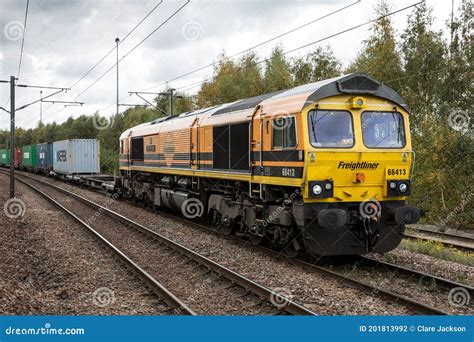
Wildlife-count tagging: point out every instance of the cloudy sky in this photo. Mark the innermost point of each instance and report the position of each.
(65, 38)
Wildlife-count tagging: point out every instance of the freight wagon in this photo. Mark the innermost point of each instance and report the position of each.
(76, 156)
(5, 157)
(44, 157)
(18, 156)
(29, 157)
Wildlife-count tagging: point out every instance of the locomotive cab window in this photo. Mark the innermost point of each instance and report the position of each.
(284, 132)
(331, 128)
(383, 129)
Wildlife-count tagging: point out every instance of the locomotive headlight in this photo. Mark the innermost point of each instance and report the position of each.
(317, 189)
(403, 187)
(328, 186)
(357, 102)
(393, 185)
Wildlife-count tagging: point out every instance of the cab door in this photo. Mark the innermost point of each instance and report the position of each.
(194, 146)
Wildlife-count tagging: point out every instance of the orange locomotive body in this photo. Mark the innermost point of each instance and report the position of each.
(298, 167)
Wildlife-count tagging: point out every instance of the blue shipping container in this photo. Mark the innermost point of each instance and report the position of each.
(44, 156)
(76, 156)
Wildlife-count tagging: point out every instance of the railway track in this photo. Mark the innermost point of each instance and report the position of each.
(464, 242)
(229, 289)
(419, 277)
(413, 305)
(153, 284)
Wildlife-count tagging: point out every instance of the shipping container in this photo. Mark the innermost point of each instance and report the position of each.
(29, 157)
(18, 156)
(76, 156)
(44, 156)
(5, 157)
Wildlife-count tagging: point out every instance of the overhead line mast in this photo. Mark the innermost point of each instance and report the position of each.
(12, 112)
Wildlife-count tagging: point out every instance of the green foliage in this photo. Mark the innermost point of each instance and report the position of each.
(424, 53)
(438, 250)
(436, 86)
(250, 78)
(277, 72)
(316, 66)
(379, 56)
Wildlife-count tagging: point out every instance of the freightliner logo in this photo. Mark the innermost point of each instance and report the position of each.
(358, 166)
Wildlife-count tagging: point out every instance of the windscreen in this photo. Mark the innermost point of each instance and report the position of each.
(331, 129)
(383, 129)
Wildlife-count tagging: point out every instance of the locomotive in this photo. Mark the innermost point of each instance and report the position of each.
(322, 168)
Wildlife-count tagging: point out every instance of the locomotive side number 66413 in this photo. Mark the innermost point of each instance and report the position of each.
(288, 172)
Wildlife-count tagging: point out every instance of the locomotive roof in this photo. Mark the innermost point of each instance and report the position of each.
(291, 100)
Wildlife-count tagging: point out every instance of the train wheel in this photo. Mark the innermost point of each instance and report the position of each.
(256, 240)
(215, 218)
(293, 249)
(226, 229)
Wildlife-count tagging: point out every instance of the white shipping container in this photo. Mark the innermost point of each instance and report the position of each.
(76, 156)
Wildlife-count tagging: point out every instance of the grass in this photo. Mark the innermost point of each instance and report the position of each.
(438, 250)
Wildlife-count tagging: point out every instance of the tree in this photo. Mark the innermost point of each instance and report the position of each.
(423, 52)
(318, 65)
(224, 86)
(277, 72)
(379, 56)
(250, 77)
(458, 83)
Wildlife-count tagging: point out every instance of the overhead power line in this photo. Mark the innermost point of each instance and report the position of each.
(111, 50)
(130, 51)
(23, 38)
(123, 39)
(133, 49)
(246, 50)
(257, 45)
(193, 85)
